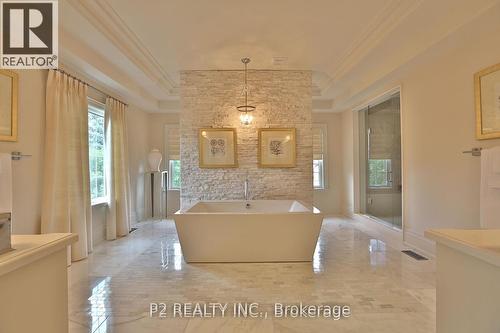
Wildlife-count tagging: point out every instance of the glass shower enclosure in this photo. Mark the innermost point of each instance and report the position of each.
(380, 161)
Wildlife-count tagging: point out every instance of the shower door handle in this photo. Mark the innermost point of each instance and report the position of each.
(368, 142)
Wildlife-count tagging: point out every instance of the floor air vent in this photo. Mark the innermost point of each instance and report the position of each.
(414, 255)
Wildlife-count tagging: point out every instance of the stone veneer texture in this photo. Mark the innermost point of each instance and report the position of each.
(209, 99)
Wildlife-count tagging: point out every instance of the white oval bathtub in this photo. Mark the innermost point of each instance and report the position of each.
(266, 231)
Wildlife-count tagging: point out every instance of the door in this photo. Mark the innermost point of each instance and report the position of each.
(382, 158)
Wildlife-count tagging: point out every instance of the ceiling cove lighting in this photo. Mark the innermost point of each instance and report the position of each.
(245, 117)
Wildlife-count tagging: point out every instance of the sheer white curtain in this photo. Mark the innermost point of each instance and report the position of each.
(66, 187)
(118, 215)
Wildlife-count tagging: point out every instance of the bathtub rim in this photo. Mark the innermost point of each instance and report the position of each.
(312, 210)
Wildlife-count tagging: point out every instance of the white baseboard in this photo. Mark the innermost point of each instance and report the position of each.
(420, 243)
(395, 238)
(391, 236)
(349, 215)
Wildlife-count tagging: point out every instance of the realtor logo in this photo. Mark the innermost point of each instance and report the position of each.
(29, 34)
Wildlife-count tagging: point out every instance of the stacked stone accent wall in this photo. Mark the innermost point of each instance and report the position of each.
(209, 99)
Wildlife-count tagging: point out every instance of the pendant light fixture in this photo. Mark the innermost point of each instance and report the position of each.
(246, 117)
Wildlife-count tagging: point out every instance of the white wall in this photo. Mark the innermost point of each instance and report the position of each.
(156, 128)
(27, 173)
(441, 185)
(348, 168)
(157, 122)
(328, 199)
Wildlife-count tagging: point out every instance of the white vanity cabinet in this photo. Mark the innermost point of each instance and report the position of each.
(468, 280)
(34, 284)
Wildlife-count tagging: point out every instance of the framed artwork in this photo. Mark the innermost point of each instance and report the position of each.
(276, 148)
(217, 148)
(8, 105)
(487, 93)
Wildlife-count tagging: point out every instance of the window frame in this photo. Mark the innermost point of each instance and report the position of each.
(324, 178)
(99, 109)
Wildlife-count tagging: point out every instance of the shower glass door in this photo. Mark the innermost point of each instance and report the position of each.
(380, 161)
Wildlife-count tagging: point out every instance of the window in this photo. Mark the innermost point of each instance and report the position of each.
(172, 153)
(318, 174)
(319, 156)
(96, 152)
(379, 173)
(174, 170)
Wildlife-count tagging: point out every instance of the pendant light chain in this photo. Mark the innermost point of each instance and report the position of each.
(245, 117)
(246, 85)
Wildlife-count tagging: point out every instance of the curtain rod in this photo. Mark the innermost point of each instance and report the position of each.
(88, 84)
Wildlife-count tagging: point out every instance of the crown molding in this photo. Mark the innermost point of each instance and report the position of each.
(122, 93)
(315, 90)
(101, 73)
(170, 106)
(107, 21)
(74, 70)
(322, 105)
(376, 30)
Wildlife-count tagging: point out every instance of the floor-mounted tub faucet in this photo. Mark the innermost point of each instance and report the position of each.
(247, 192)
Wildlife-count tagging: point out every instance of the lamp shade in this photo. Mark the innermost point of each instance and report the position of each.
(154, 160)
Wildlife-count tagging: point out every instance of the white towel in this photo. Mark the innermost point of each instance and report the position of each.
(490, 189)
(5, 183)
(496, 160)
(493, 167)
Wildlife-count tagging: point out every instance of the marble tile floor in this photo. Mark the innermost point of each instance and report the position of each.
(387, 291)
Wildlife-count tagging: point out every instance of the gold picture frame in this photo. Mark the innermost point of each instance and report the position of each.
(8, 105)
(487, 102)
(217, 148)
(277, 148)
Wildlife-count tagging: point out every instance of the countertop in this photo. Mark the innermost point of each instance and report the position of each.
(484, 244)
(28, 248)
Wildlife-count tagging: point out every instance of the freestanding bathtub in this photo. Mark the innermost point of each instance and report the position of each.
(265, 231)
